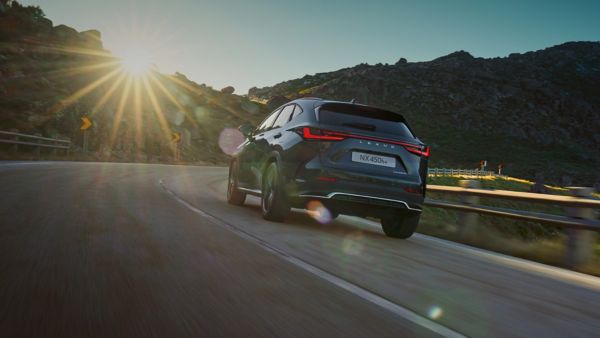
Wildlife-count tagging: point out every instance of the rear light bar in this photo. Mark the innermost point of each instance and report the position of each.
(422, 151)
(328, 135)
(318, 134)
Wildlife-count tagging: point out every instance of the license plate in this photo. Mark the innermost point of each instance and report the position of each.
(374, 159)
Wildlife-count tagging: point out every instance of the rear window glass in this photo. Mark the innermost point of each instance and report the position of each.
(368, 120)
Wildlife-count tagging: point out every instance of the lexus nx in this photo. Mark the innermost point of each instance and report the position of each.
(354, 159)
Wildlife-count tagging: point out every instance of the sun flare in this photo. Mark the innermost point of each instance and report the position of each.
(136, 62)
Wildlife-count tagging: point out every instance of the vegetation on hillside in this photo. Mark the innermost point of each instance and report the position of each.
(536, 113)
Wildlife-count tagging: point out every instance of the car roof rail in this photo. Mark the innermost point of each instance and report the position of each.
(310, 98)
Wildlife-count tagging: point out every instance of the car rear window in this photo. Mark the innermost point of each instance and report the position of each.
(365, 119)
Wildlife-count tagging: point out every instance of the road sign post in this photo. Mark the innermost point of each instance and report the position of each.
(87, 123)
(176, 140)
(85, 141)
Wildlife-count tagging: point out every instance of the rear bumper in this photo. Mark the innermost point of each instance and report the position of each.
(341, 197)
(357, 205)
(375, 198)
(355, 193)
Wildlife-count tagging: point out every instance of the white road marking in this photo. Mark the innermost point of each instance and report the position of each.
(346, 285)
(12, 164)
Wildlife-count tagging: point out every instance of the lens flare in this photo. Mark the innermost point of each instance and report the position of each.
(229, 140)
(201, 113)
(178, 118)
(353, 244)
(435, 312)
(319, 212)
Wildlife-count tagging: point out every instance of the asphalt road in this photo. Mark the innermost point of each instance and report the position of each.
(96, 249)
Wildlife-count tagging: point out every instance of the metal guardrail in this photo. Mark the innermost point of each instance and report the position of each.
(581, 219)
(459, 172)
(17, 139)
(569, 201)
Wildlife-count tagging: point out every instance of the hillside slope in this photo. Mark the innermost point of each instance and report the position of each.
(538, 112)
(51, 76)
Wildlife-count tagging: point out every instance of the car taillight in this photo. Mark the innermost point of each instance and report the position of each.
(328, 135)
(413, 190)
(422, 151)
(318, 134)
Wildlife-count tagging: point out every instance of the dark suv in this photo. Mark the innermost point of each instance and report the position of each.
(353, 159)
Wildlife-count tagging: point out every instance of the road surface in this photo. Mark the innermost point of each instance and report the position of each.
(101, 249)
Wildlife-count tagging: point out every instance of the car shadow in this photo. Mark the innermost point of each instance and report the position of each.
(299, 218)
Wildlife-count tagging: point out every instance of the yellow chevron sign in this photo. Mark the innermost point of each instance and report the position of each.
(176, 137)
(87, 123)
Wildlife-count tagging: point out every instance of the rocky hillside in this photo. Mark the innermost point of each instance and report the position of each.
(538, 112)
(51, 76)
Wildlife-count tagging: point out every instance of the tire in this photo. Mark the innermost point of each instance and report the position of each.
(400, 225)
(273, 201)
(234, 195)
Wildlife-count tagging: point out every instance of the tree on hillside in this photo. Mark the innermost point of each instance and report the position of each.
(34, 12)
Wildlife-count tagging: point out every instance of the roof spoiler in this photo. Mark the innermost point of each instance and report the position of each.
(359, 109)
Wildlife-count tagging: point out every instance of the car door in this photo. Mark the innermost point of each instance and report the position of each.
(268, 139)
(287, 144)
(250, 160)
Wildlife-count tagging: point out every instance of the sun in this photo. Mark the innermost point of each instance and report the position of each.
(136, 62)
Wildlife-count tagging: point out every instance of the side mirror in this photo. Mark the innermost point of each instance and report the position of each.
(246, 129)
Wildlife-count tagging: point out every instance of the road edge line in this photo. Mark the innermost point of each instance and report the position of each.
(333, 279)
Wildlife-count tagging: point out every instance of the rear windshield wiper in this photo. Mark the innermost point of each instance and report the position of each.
(363, 126)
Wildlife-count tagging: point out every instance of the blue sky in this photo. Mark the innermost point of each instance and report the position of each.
(248, 43)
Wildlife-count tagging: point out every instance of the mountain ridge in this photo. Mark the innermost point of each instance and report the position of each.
(534, 112)
(549, 98)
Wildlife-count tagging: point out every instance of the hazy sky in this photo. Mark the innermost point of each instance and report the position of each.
(248, 43)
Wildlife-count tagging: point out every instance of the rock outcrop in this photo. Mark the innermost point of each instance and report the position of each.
(228, 90)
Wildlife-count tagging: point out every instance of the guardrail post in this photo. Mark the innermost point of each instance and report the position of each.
(580, 243)
(16, 146)
(467, 221)
(37, 148)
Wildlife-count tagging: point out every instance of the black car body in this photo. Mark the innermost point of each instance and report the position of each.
(354, 159)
